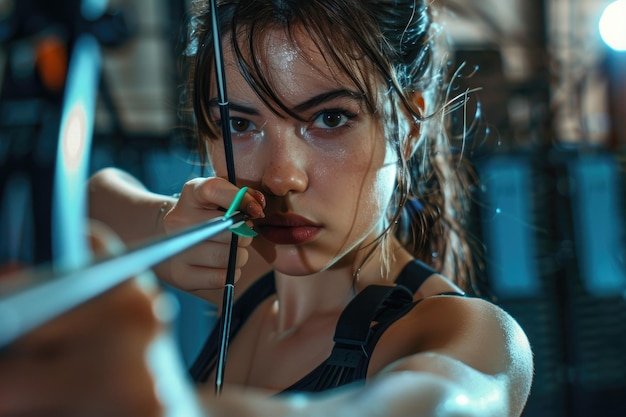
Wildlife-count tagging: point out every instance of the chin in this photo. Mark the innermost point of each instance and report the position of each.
(298, 262)
(297, 267)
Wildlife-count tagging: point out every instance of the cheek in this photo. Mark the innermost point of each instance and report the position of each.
(384, 183)
(382, 179)
(249, 160)
(217, 159)
(380, 174)
(381, 190)
(367, 188)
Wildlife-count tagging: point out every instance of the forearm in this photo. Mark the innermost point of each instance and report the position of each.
(125, 205)
(399, 394)
(416, 394)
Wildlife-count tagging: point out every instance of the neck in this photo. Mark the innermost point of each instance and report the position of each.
(300, 298)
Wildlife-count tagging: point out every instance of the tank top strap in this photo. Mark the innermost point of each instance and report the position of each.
(362, 322)
(349, 358)
(414, 274)
(355, 321)
(353, 327)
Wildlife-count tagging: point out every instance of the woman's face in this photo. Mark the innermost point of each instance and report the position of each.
(328, 179)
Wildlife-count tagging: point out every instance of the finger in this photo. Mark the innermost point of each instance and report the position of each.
(72, 365)
(204, 278)
(219, 192)
(196, 273)
(78, 375)
(212, 254)
(224, 238)
(79, 358)
(243, 241)
(259, 198)
(127, 300)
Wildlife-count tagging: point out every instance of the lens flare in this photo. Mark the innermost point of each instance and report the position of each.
(611, 25)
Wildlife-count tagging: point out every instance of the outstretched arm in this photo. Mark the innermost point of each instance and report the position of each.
(462, 357)
(477, 365)
(94, 361)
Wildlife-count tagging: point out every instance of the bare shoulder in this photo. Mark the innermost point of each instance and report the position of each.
(472, 329)
(448, 321)
(464, 339)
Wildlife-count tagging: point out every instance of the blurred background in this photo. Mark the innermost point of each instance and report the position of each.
(549, 149)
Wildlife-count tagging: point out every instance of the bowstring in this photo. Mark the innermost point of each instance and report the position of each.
(229, 289)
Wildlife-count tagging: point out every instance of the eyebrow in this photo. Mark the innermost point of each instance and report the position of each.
(235, 107)
(304, 106)
(324, 97)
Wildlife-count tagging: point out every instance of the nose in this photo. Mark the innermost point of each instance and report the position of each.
(285, 170)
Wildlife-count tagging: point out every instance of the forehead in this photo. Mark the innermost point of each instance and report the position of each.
(291, 63)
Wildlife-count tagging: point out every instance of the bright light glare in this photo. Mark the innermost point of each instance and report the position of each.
(612, 27)
(462, 400)
(74, 137)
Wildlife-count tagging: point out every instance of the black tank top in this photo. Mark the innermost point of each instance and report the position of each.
(359, 328)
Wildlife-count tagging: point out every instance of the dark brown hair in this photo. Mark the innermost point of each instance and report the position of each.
(373, 42)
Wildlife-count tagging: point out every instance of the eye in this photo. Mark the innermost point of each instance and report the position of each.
(331, 119)
(239, 125)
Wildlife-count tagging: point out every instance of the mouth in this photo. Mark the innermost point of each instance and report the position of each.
(289, 229)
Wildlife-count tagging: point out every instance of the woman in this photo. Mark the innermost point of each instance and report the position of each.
(337, 121)
(337, 117)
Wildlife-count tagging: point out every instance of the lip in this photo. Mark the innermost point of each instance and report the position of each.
(287, 229)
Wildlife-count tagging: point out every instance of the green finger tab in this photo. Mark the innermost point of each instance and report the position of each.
(236, 202)
(242, 229)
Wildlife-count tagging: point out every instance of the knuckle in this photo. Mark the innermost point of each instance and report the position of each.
(207, 189)
(216, 278)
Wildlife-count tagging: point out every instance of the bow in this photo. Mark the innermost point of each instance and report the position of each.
(229, 289)
(55, 292)
(74, 279)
